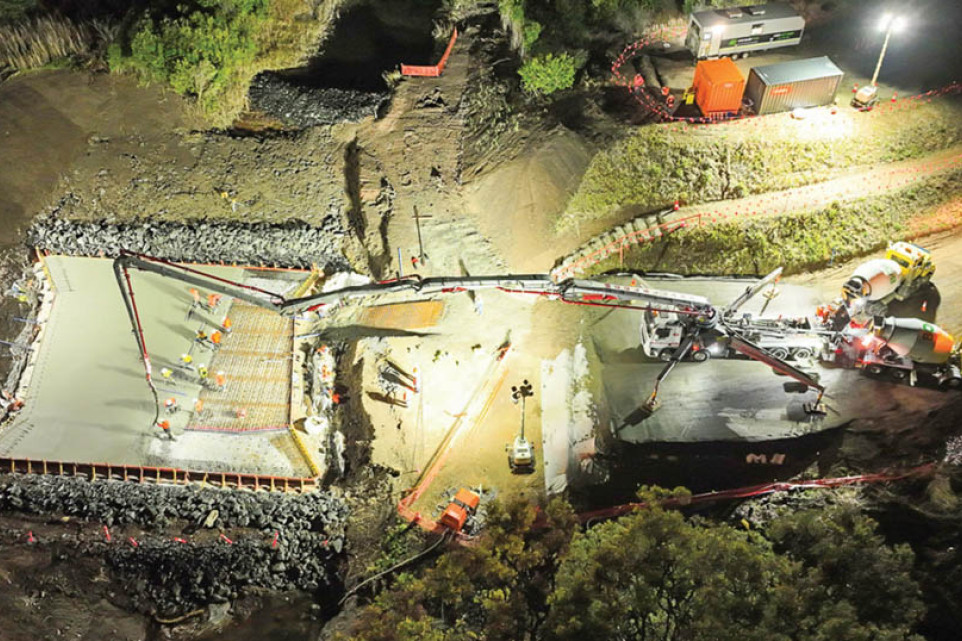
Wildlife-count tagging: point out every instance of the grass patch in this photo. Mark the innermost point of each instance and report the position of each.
(658, 165)
(797, 242)
(32, 44)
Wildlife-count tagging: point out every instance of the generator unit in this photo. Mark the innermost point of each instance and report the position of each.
(740, 30)
(811, 82)
(718, 87)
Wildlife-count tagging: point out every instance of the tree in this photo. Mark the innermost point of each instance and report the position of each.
(810, 575)
(496, 589)
(548, 73)
(655, 575)
(823, 575)
(852, 568)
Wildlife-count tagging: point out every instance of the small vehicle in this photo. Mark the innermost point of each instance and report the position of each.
(865, 98)
(520, 455)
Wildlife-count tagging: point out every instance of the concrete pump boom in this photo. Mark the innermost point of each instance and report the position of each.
(573, 291)
(701, 315)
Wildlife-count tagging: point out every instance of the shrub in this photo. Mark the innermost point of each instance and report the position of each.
(210, 49)
(548, 73)
(199, 52)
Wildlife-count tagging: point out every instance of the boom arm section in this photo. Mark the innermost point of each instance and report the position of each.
(571, 291)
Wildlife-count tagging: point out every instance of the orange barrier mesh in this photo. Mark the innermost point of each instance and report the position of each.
(431, 70)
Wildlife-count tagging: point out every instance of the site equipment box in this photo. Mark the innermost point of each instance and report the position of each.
(740, 30)
(789, 85)
(718, 87)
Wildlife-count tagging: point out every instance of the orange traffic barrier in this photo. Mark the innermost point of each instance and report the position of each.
(431, 70)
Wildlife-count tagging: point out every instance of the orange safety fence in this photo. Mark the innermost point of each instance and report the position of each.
(158, 475)
(763, 489)
(431, 70)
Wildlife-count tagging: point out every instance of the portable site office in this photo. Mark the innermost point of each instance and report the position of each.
(739, 30)
(811, 82)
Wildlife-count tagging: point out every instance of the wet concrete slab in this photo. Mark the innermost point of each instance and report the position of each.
(88, 400)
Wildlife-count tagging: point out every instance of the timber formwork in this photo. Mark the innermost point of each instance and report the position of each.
(159, 475)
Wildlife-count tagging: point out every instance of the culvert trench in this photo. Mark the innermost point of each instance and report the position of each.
(176, 564)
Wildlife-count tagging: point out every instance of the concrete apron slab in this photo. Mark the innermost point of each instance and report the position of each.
(88, 400)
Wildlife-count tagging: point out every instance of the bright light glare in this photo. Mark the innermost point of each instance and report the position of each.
(895, 23)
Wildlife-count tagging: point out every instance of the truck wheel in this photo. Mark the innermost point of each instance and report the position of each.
(802, 354)
(874, 370)
(779, 352)
(898, 374)
(951, 384)
(700, 356)
(665, 354)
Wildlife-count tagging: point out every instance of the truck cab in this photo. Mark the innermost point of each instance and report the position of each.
(915, 262)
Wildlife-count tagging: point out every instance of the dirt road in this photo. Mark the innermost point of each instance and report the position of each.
(856, 183)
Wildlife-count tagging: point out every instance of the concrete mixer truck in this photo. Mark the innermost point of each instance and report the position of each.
(906, 348)
(905, 269)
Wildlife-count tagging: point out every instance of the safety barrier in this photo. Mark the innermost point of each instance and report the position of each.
(159, 475)
(760, 490)
(431, 70)
(603, 247)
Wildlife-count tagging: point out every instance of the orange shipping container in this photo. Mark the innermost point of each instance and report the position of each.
(719, 86)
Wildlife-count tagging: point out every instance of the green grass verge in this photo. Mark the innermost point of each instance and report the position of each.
(658, 165)
(797, 242)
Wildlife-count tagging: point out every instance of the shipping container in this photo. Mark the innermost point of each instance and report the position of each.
(790, 85)
(718, 87)
(740, 30)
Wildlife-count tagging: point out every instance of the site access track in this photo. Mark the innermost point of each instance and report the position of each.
(857, 183)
